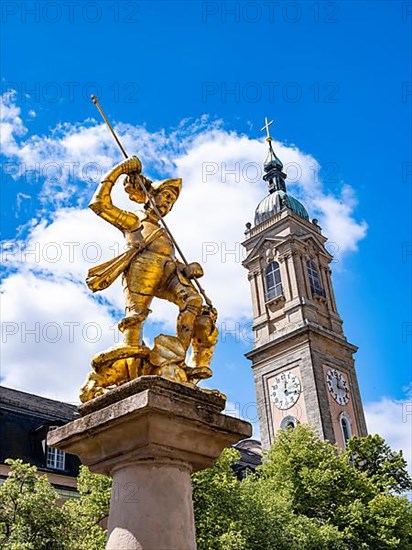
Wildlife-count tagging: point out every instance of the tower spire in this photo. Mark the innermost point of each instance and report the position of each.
(274, 176)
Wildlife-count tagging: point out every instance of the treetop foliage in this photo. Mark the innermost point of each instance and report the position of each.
(307, 495)
(33, 518)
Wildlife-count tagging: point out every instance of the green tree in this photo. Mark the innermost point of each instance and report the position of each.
(305, 495)
(386, 468)
(85, 514)
(29, 517)
(340, 490)
(233, 515)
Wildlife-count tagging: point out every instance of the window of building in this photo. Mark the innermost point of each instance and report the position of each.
(314, 279)
(345, 423)
(288, 422)
(273, 281)
(55, 458)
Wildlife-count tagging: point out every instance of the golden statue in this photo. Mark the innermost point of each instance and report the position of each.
(149, 269)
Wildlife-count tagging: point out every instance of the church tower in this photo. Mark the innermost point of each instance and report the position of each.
(302, 363)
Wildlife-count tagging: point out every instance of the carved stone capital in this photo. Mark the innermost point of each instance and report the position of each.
(284, 257)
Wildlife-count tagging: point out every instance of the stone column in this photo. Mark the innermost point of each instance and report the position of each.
(261, 285)
(149, 435)
(257, 310)
(286, 282)
(298, 275)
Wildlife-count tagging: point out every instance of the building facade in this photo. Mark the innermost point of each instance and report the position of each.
(302, 363)
(25, 420)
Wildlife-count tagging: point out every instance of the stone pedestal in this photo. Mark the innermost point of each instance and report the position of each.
(149, 435)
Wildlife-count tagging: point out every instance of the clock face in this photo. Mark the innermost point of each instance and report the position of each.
(337, 386)
(286, 390)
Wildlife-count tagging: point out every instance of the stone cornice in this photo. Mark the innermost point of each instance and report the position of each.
(307, 330)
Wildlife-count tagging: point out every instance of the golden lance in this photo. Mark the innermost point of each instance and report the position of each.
(150, 199)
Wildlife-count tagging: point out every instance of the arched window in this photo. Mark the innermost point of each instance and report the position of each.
(288, 422)
(273, 281)
(346, 426)
(314, 279)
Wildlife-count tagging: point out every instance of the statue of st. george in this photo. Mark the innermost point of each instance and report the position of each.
(149, 269)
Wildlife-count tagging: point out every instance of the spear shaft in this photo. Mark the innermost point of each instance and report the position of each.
(150, 199)
(117, 140)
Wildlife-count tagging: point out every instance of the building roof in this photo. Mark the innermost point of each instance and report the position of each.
(27, 402)
(250, 457)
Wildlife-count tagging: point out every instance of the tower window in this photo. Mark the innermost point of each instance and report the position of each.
(289, 422)
(314, 279)
(273, 281)
(345, 423)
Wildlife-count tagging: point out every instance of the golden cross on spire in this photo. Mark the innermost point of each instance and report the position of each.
(266, 127)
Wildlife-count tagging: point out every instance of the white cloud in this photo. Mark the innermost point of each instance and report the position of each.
(50, 331)
(221, 173)
(392, 420)
(338, 222)
(12, 126)
(221, 167)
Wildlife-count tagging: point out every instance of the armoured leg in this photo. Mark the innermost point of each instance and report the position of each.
(190, 304)
(139, 284)
(131, 327)
(205, 337)
(186, 319)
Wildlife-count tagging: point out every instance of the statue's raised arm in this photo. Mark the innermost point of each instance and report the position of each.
(102, 204)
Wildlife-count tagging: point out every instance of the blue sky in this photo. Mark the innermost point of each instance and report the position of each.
(192, 80)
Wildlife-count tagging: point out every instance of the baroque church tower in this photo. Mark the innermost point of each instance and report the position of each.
(302, 363)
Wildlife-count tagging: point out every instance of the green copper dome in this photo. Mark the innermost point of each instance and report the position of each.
(274, 202)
